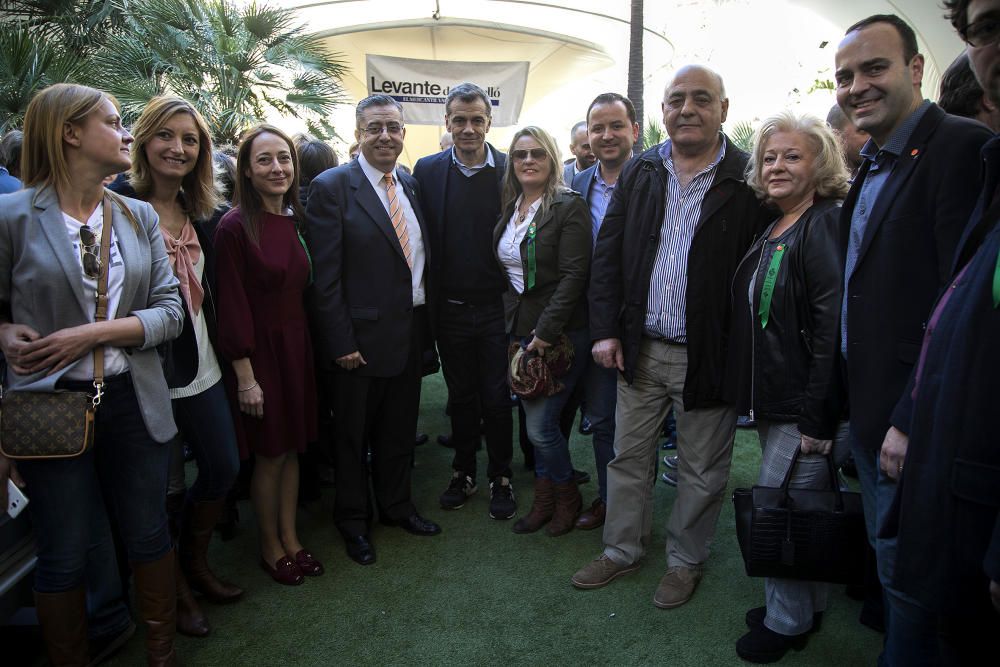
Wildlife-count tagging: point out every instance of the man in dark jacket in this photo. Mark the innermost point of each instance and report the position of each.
(946, 512)
(900, 225)
(461, 190)
(679, 222)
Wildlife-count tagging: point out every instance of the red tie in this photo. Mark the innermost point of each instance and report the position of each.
(398, 222)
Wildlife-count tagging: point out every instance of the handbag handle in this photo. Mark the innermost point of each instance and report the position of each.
(101, 312)
(838, 494)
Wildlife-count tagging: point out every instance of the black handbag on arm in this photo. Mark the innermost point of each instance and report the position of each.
(810, 534)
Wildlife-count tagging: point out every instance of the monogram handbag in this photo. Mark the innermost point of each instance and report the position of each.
(58, 424)
(810, 534)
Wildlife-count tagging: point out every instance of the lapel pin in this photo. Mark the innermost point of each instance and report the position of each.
(915, 152)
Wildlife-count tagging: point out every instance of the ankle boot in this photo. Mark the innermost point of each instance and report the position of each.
(568, 505)
(542, 507)
(63, 617)
(200, 519)
(156, 593)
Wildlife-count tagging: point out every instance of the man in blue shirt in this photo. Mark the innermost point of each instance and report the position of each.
(901, 223)
(612, 130)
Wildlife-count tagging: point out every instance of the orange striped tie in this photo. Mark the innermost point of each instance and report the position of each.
(398, 222)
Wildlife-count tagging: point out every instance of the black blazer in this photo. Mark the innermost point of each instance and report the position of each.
(905, 257)
(431, 173)
(362, 295)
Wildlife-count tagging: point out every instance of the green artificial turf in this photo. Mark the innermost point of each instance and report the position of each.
(480, 595)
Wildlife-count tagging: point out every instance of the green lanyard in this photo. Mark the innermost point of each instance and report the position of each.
(996, 283)
(308, 256)
(532, 266)
(768, 290)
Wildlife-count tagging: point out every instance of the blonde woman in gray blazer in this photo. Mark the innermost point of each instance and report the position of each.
(49, 260)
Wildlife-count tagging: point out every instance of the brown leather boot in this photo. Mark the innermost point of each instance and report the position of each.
(191, 621)
(542, 507)
(156, 593)
(200, 520)
(63, 617)
(568, 504)
(592, 517)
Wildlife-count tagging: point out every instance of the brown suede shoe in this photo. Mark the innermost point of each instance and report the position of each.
(676, 587)
(593, 516)
(568, 503)
(543, 506)
(599, 572)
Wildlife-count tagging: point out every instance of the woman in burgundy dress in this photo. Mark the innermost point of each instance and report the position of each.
(263, 270)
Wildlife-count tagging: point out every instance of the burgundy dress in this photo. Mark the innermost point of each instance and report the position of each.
(261, 316)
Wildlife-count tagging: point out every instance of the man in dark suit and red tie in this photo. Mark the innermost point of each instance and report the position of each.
(368, 241)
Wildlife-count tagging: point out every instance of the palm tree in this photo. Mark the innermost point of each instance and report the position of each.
(653, 133)
(232, 62)
(635, 87)
(742, 135)
(26, 65)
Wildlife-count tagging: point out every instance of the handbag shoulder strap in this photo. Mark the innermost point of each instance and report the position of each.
(101, 313)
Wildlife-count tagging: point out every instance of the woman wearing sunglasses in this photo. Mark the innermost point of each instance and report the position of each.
(543, 243)
(264, 269)
(172, 169)
(50, 263)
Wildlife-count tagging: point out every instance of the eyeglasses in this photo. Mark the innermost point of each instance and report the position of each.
(374, 130)
(982, 32)
(90, 247)
(537, 154)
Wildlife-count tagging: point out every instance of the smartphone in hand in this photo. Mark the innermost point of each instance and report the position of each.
(16, 500)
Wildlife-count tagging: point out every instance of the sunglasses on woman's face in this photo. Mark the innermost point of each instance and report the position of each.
(90, 252)
(537, 154)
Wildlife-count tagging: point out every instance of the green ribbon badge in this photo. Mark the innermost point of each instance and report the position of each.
(996, 283)
(532, 266)
(768, 290)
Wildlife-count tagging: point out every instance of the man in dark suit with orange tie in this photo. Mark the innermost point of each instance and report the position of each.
(367, 237)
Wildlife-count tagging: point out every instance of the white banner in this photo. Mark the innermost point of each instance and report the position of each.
(421, 86)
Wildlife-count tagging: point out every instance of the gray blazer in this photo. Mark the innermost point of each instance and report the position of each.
(40, 283)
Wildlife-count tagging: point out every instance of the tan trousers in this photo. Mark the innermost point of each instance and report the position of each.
(704, 446)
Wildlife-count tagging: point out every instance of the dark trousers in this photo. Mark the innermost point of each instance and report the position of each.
(205, 425)
(380, 413)
(473, 348)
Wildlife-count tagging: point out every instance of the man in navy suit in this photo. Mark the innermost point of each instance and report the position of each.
(612, 131)
(947, 511)
(461, 189)
(901, 224)
(370, 252)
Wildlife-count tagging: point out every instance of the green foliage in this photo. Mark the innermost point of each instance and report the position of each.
(742, 135)
(234, 62)
(653, 133)
(821, 84)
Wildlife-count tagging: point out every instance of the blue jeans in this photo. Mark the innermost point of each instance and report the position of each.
(206, 425)
(542, 417)
(125, 467)
(911, 630)
(601, 391)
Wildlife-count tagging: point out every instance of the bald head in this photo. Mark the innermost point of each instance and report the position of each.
(706, 71)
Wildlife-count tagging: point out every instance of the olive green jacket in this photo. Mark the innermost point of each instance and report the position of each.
(563, 244)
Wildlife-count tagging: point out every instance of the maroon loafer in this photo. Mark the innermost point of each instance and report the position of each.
(284, 571)
(308, 565)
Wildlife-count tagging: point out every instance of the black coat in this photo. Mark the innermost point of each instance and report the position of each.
(904, 259)
(946, 513)
(794, 363)
(731, 217)
(362, 296)
(180, 355)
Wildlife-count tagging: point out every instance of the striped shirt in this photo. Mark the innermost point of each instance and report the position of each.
(666, 308)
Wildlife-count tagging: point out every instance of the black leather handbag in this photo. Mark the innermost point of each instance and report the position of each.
(810, 534)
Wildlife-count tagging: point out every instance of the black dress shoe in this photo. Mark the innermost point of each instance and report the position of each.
(445, 441)
(414, 524)
(360, 549)
(421, 439)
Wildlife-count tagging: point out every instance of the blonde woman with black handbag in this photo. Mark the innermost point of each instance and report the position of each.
(52, 264)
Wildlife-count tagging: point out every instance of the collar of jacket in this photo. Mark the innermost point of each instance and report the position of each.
(730, 168)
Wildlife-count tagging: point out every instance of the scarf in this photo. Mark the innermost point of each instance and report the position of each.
(184, 252)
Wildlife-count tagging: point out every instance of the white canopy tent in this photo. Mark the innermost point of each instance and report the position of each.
(771, 53)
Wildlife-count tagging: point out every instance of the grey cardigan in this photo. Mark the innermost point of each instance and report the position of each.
(40, 281)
